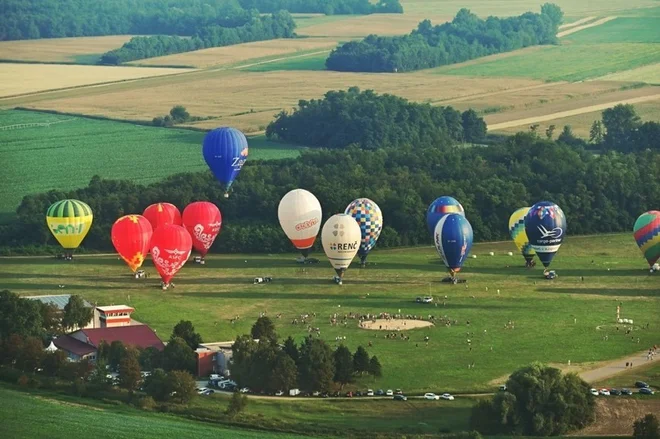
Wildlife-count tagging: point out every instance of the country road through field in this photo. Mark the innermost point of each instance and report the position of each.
(586, 26)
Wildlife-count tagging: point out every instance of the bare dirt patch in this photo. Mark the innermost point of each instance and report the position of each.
(59, 49)
(395, 324)
(616, 416)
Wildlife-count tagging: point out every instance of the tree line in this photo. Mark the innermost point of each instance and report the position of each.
(373, 121)
(327, 7)
(256, 28)
(465, 37)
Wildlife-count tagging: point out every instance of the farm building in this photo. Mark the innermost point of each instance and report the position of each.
(60, 301)
(213, 358)
(115, 315)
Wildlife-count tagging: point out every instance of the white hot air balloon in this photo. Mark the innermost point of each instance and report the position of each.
(299, 213)
(341, 238)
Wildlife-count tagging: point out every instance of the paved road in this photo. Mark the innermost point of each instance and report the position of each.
(615, 367)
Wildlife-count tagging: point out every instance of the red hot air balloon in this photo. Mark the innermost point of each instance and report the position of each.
(160, 214)
(203, 221)
(131, 235)
(170, 249)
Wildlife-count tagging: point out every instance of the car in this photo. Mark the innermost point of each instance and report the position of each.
(427, 299)
(279, 393)
(615, 392)
(418, 300)
(641, 384)
(358, 393)
(317, 393)
(201, 390)
(398, 392)
(325, 395)
(503, 388)
(389, 392)
(431, 396)
(349, 394)
(245, 390)
(399, 397)
(370, 392)
(646, 391)
(447, 396)
(604, 392)
(594, 392)
(208, 392)
(380, 392)
(626, 392)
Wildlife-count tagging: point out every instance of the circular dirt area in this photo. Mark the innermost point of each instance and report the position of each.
(394, 324)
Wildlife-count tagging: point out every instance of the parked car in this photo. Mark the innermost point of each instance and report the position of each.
(641, 384)
(358, 393)
(604, 392)
(503, 388)
(317, 393)
(294, 392)
(418, 300)
(427, 299)
(399, 397)
(201, 390)
(370, 392)
(389, 392)
(594, 392)
(380, 392)
(626, 392)
(431, 396)
(398, 392)
(447, 396)
(615, 392)
(279, 393)
(646, 391)
(208, 392)
(245, 390)
(349, 394)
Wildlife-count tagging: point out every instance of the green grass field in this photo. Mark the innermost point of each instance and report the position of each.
(312, 62)
(620, 30)
(66, 155)
(543, 311)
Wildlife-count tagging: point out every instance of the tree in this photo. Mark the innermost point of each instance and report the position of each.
(185, 330)
(343, 365)
(285, 373)
(317, 367)
(533, 128)
(129, 370)
(596, 132)
(53, 362)
(646, 427)
(361, 360)
(116, 352)
(474, 127)
(242, 350)
(553, 12)
(264, 329)
(179, 114)
(19, 316)
(620, 122)
(182, 384)
(31, 354)
(51, 318)
(237, 404)
(103, 351)
(150, 358)
(76, 313)
(12, 347)
(99, 376)
(567, 136)
(550, 131)
(539, 401)
(291, 349)
(157, 385)
(177, 355)
(375, 368)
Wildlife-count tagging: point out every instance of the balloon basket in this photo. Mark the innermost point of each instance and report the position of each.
(453, 280)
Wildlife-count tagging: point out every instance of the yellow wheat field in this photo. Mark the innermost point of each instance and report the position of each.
(59, 49)
(380, 24)
(17, 79)
(240, 52)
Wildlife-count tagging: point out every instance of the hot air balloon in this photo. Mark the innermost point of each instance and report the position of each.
(453, 241)
(225, 151)
(519, 236)
(160, 214)
(131, 236)
(439, 208)
(299, 213)
(69, 221)
(647, 235)
(545, 225)
(203, 221)
(341, 240)
(370, 219)
(170, 248)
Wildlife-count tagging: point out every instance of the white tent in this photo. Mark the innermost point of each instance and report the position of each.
(51, 347)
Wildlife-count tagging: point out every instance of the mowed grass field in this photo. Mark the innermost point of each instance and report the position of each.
(84, 50)
(554, 322)
(67, 154)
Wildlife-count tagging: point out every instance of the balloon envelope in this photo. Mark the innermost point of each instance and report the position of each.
(370, 219)
(441, 207)
(300, 213)
(545, 225)
(453, 240)
(170, 248)
(225, 151)
(161, 214)
(518, 234)
(203, 221)
(647, 235)
(131, 236)
(69, 221)
(341, 240)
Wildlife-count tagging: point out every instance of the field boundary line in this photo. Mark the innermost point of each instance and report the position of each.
(498, 92)
(586, 26)
(277, 59)
(569, 113)
(33, 124)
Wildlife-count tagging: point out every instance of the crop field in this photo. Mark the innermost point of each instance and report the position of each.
(357, 26)
(649, 74)
(84, 50)
(620, 30)
(17, 79)
(554, 322)
(67, 154)
(311, 62)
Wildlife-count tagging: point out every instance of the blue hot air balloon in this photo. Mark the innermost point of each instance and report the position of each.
(545, 225)
(225, 151)
(453, 241)
(441, 207)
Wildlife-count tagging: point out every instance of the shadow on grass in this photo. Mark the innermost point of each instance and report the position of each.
(628, 292)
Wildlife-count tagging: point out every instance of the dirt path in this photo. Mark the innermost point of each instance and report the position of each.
(614, 367)
(586, 26)
(568, 113)
(577, 23)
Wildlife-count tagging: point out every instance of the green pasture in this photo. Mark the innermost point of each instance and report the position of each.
(66, 155)
(620, 30)
(311, 62)
(45, 416)
(554, 321)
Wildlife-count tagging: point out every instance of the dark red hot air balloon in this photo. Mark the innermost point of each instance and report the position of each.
(170, 248)
(203, 221)
(131, 235)
(160, 214)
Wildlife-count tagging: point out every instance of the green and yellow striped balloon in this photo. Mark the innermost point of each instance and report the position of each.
(69, 221)
(518, 234)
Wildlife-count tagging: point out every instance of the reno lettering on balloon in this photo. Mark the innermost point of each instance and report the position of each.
(172, 262)
(206, 238)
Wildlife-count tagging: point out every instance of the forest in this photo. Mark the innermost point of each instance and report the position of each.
(327, 7)
(373, 121)
(465, 37)
(598, 192)
(256, 28)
